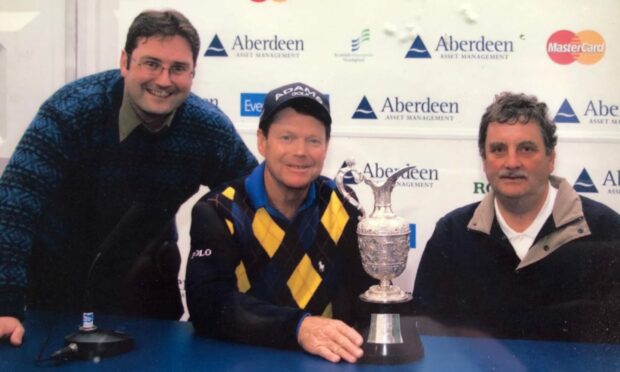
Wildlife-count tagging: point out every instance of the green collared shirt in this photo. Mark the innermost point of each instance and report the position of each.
(128, 120)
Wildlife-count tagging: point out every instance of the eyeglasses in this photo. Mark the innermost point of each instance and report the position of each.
(155, 68)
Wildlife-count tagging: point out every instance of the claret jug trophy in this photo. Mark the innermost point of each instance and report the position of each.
(383, 240)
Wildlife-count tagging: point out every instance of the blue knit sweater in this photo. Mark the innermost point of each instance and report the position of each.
(70, 182)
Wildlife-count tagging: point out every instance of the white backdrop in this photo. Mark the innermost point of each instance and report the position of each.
(426, 110)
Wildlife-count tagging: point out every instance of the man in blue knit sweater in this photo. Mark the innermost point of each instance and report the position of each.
(274, 258)
(533, 259)
(102, 169)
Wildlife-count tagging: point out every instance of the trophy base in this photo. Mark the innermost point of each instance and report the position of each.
(389, 337)
(385, 295)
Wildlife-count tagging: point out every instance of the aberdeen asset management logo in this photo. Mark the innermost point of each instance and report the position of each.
(586, 47)
(602, 112)
(246, 46)
(611, 182)
(396, 108)
(364, 110)
(453, 47)
(418, 49)
(413, 178)
(349, 178)
(584, 183)
(596, 111)
(566, 114)
(216, 49)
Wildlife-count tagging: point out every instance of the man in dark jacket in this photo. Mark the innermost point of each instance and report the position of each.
(533, 259)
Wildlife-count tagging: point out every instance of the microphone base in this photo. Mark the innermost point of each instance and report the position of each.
(96, 343)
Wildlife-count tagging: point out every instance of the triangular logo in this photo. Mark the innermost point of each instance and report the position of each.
(584, 183)
(348, 178)
(364, 110)
(418, 49)
(216, 49)
(566, 114)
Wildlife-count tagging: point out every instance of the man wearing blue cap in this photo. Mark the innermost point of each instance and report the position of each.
(274, 258)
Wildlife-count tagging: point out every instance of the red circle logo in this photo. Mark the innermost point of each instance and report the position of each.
(586, 47)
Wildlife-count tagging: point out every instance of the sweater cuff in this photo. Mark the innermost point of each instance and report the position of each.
(12, 303)
(299, 324)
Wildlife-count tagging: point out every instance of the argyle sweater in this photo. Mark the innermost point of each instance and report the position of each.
(70, 182)
(253, 275)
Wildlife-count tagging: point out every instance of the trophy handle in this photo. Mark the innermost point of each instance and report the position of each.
(358, 176)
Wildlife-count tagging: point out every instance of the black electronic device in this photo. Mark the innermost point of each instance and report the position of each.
(90, 342)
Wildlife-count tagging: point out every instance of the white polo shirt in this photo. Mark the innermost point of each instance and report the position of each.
(522, 241)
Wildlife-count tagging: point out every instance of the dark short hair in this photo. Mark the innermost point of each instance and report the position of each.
(302, 107)
(511, 108)
(161, 23)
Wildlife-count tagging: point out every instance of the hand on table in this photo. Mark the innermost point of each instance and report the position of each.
(12, 329)
(330, 339)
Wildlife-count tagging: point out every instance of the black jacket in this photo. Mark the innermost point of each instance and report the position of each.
(566, 288)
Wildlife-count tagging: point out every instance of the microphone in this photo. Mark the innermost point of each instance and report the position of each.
(66, 353)
(90, 342)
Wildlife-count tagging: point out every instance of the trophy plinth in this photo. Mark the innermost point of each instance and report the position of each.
(383, 240)
(390, 338)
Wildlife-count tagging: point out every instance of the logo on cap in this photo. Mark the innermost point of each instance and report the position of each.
(299, 91)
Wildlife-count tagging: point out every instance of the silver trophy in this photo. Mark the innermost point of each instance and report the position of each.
(383, 240)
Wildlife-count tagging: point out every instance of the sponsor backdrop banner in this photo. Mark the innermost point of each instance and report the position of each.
(408, 82)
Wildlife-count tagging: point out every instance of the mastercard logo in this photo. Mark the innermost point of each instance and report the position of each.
(565, 47)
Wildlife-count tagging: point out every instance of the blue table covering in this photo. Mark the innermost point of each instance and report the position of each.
(173, 346)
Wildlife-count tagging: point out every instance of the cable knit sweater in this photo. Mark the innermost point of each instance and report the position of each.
(70, 181)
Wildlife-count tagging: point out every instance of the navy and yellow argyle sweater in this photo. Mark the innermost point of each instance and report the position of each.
(252, 273)
(70, 181)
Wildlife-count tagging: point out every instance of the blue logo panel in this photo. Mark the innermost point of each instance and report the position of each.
(252, 104)
(412, 236)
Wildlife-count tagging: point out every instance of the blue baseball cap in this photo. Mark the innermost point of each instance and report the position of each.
(281, 97)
